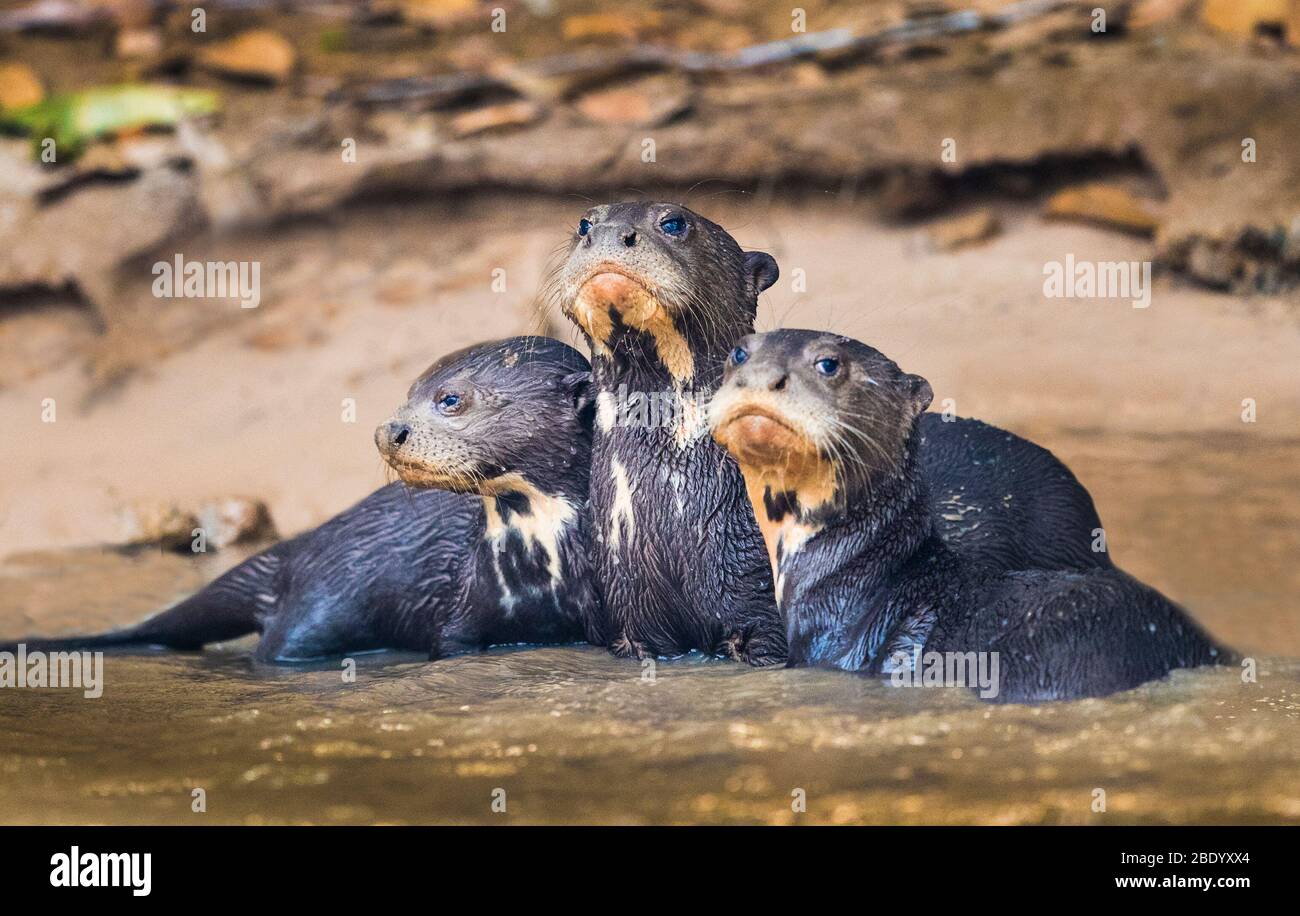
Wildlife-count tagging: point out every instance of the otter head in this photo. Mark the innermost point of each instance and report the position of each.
(507, 416)
(657, 281)
(816, 422)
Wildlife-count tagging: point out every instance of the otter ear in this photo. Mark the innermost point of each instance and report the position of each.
(761, 269)
(580, 390)
(921, 392)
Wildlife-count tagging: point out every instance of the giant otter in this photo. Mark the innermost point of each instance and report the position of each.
(661, 293)
(506, 426)
(827, 434)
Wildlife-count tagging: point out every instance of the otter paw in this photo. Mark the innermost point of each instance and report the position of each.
(626, 647)
(762, 651)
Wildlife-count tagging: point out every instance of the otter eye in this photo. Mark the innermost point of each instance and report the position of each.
(449, 403)
(739, 355)
(827, 366)
(584, 226)
(672, 225)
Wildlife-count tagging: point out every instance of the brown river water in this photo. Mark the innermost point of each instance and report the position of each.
(570, 734)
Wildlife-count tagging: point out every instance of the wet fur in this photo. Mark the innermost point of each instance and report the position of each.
(700, 577)
(678, 560)
(877, 579)
(1004, 500)
(413, 569)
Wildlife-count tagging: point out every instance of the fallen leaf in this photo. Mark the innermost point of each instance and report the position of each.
(73, 121)
(439, 13)
(609, 25)
(1244, 17)
(495, 117)
(259, 54)
(19, 86)
(645, 102)
(961, 231)
(1107, 205)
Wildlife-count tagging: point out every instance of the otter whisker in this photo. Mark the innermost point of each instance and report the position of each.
(862, 436)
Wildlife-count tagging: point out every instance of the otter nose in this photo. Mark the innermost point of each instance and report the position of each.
(392, 435)
(612, 234)
(769, 377)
